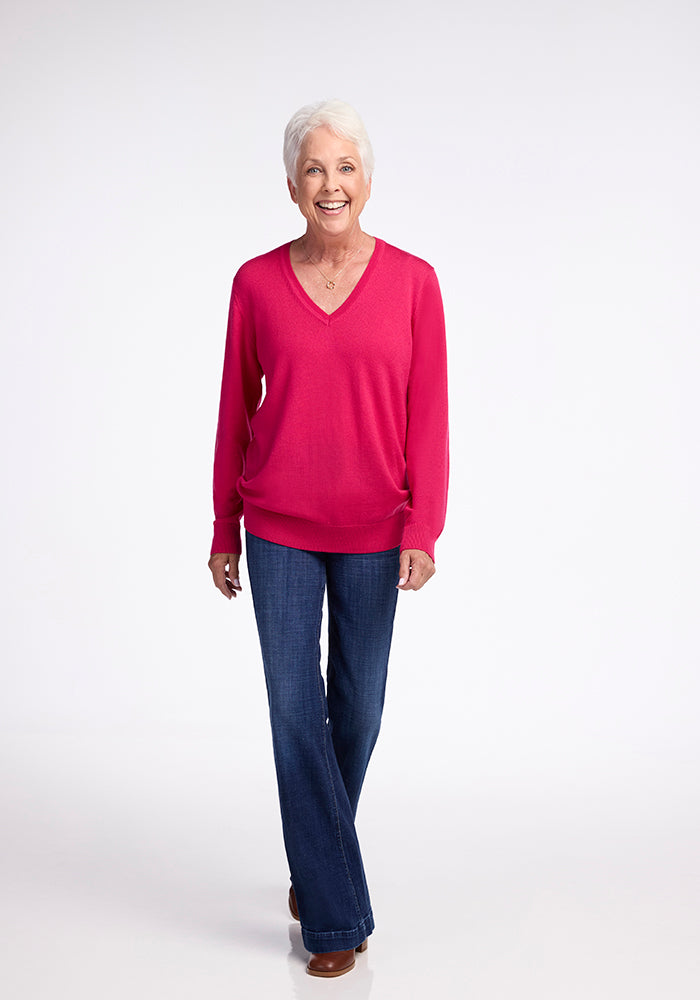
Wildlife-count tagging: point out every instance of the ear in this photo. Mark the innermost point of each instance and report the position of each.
(292, 191)
(369, 187)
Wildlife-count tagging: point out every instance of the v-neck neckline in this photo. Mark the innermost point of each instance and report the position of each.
(306, 299)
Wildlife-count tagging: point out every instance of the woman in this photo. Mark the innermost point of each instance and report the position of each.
(340, 474)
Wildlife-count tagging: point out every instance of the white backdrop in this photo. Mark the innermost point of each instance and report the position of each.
(544, 158)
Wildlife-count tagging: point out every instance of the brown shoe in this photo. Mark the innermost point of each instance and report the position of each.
(333, 963)
(293, 903)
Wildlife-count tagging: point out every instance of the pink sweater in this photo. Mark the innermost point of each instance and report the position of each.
(348, 450)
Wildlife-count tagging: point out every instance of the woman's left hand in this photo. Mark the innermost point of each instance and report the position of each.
(415, 568)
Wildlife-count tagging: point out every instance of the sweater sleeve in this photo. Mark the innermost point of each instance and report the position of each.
(241, 390)
(427, 445)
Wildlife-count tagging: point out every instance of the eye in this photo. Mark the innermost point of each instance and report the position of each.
(312, 170)
(347, 167)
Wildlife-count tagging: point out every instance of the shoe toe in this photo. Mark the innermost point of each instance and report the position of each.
(331, 963)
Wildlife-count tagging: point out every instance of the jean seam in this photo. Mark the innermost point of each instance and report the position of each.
(330, 774)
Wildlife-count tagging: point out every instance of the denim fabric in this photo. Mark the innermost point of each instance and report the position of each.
(323, 735)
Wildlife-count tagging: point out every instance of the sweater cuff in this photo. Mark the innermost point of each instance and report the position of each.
(416, 537)
(227, 536)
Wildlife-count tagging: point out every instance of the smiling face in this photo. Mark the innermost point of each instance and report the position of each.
(331, 188)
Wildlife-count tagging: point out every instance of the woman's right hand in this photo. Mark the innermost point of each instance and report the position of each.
(225, 579)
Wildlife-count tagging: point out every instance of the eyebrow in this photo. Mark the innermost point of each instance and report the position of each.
(341, 159)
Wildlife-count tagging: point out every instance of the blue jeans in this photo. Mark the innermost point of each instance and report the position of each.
(323, 739)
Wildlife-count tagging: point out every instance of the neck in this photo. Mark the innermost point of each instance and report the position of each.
(332, 248)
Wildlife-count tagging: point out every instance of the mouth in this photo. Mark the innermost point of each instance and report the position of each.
(331, 207)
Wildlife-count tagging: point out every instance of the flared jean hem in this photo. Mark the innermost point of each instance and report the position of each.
(322, 941)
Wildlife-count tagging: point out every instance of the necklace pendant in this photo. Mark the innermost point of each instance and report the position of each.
(330, 285)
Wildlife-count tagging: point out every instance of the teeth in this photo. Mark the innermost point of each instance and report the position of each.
(331, 204)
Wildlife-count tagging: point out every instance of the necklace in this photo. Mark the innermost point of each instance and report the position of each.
(330, 282)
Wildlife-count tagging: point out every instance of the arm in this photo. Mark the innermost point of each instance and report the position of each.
(427, 455)
(241, 389)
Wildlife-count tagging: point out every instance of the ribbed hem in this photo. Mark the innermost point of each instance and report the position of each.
(227, 536)
(301, 534)
(320, 941)
(416, 537)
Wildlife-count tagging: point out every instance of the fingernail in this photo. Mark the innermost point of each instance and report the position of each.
(401, 581)
(236, 583)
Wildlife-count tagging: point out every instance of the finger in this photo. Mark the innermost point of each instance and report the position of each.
(233, 575)
(419, 572)
(415, 579)
(418, 577)
(404, 569)
(222, 581)
(428, 570)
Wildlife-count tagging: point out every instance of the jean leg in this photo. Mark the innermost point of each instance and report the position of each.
(362, 598)
(324, 857)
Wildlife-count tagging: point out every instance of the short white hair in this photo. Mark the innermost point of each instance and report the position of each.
(340, 118)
